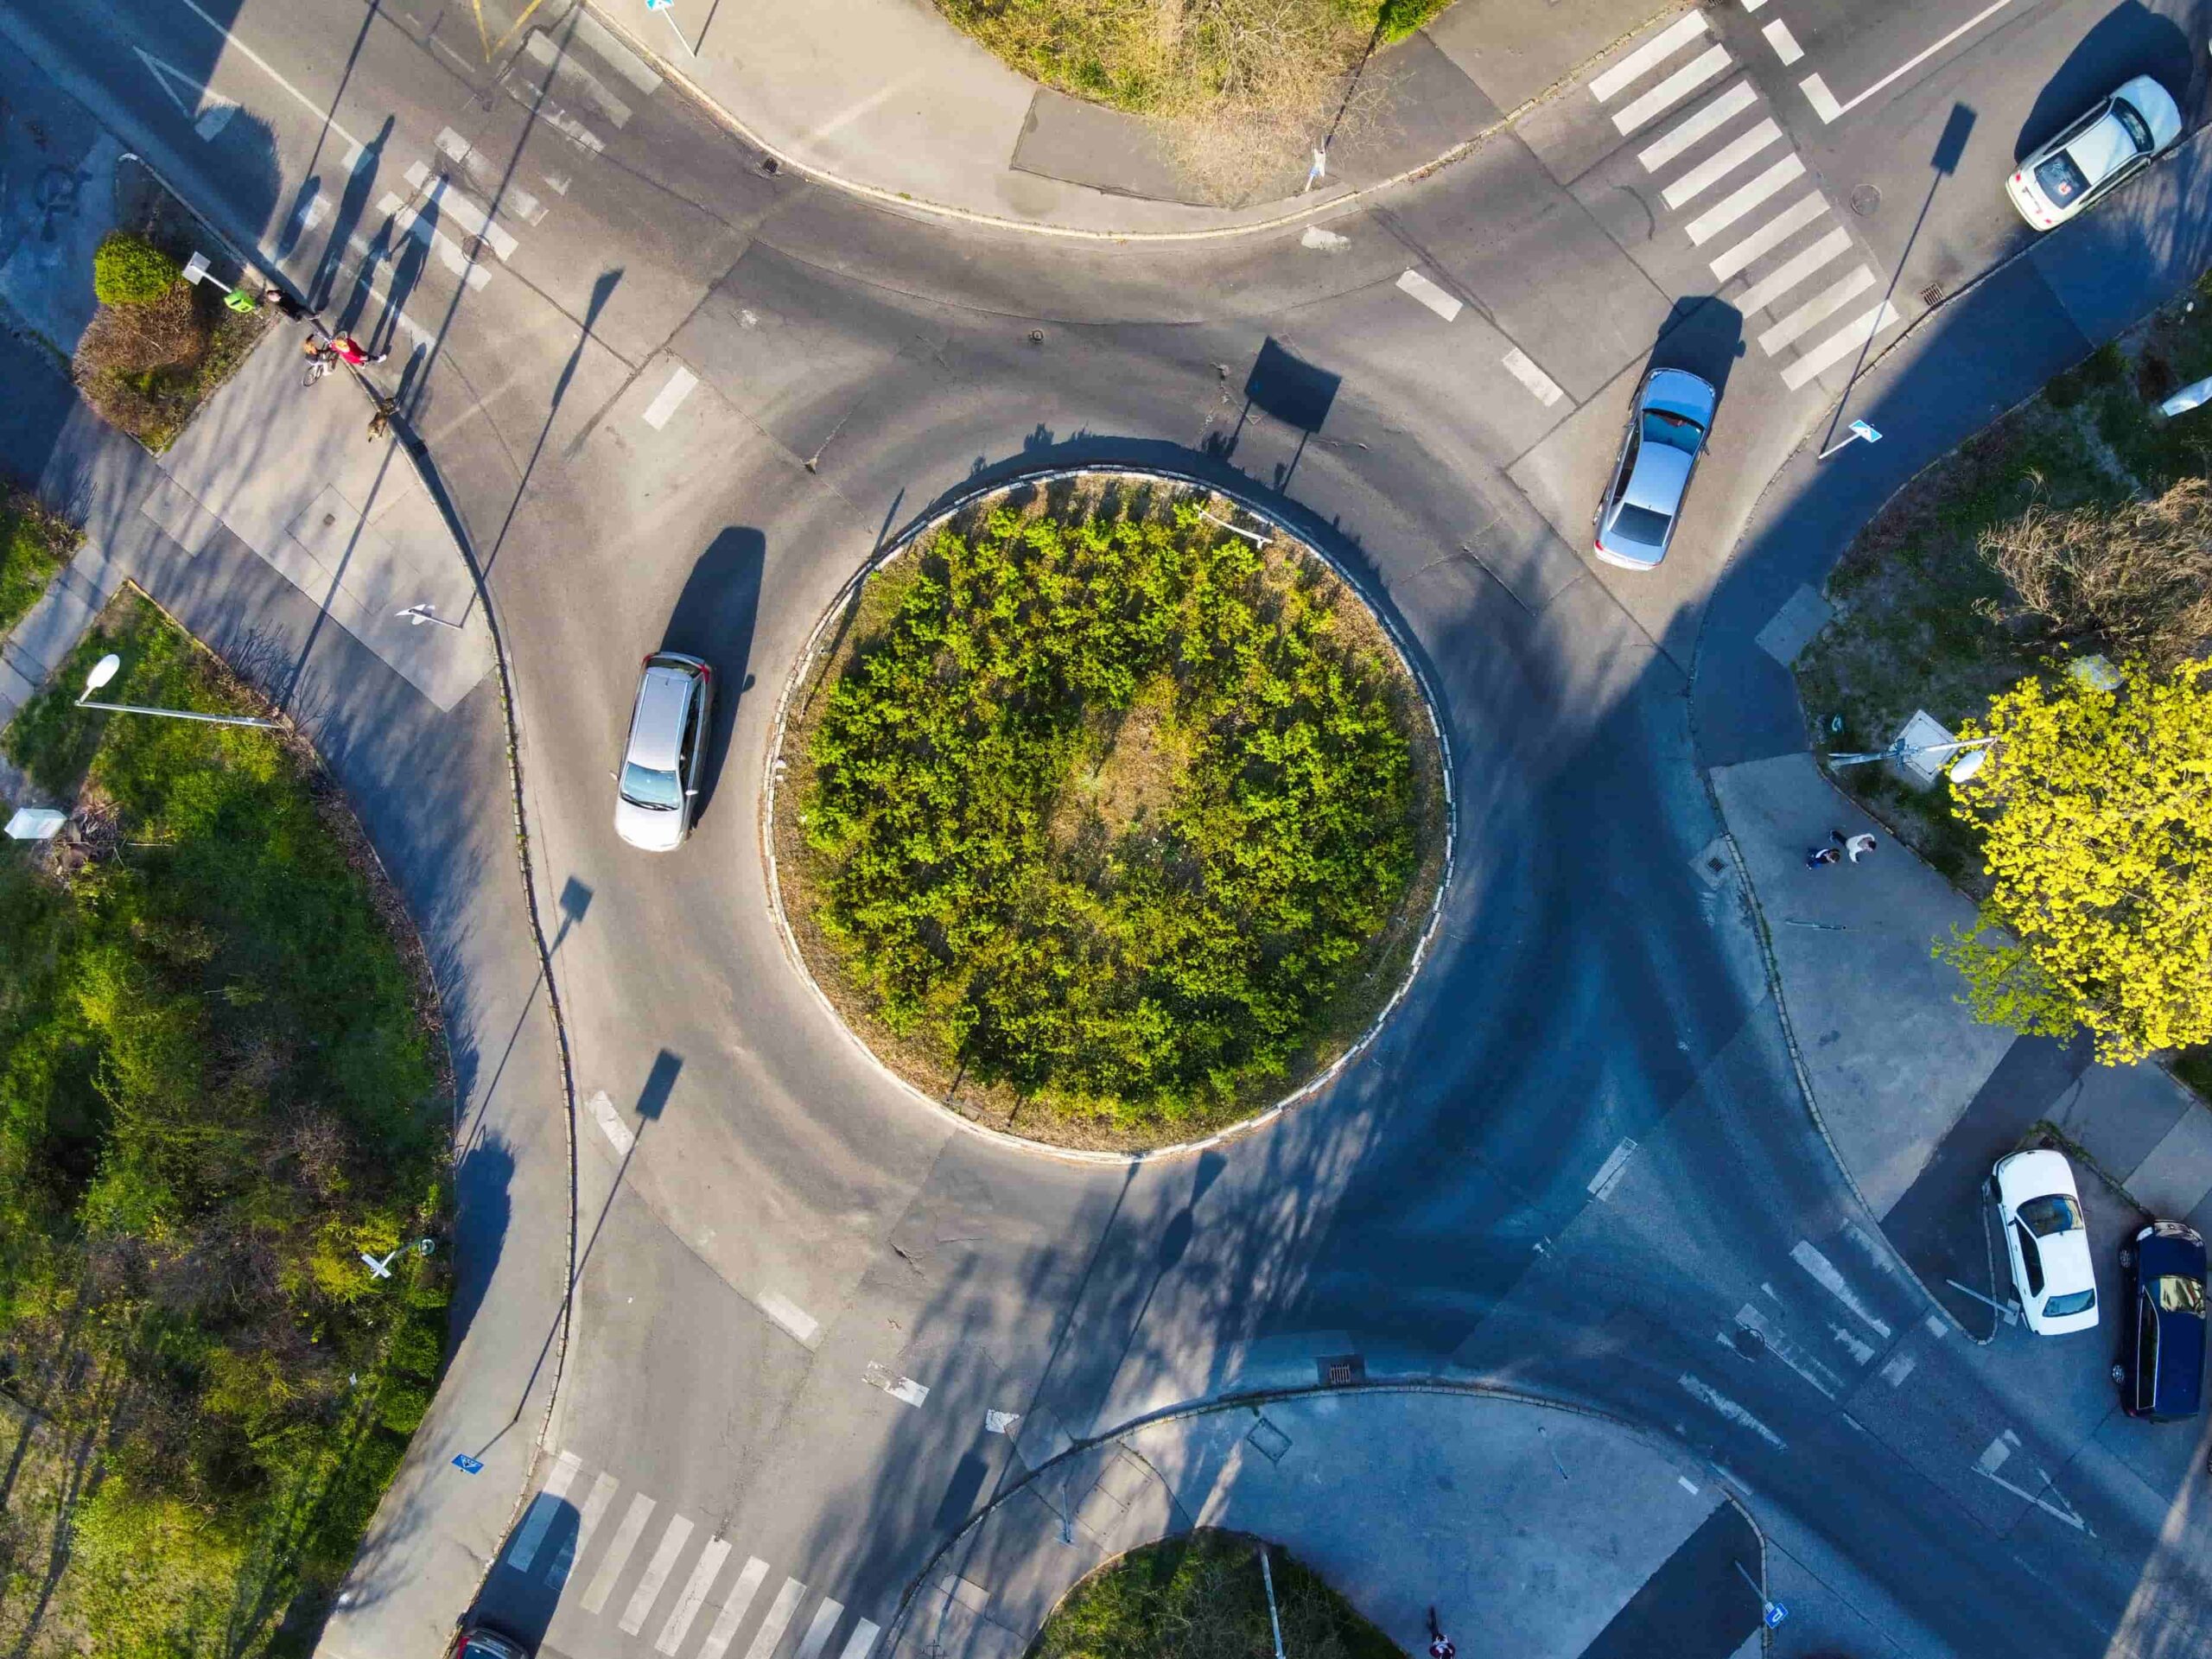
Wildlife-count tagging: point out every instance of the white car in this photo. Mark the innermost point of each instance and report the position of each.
(2047, 1241)
(2100, 152)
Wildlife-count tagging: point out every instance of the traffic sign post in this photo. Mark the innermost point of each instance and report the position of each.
(667, 9)
(1859, 430)
(466, 1465)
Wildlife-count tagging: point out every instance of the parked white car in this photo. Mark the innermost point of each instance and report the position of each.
(2098, 153)
(2047, 1241)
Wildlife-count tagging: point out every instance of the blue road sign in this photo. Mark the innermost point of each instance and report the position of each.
(1775, 1612)
(466, 1465)
(659, 5)
(1859, 427)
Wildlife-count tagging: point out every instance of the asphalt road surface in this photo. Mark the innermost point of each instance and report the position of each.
(679, 398)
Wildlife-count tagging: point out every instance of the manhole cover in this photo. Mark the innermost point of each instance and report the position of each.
(473, 246)
(1864, 200)
(1748, 1342)
(1932, 294)
(1036, 336)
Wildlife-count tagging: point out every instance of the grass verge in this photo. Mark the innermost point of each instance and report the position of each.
(35, 545)
(222, 1081)
(1926, 618)
(1201, 1596)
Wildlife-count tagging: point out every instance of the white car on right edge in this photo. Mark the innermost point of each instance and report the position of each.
(2047, 1241)
(2107, 146)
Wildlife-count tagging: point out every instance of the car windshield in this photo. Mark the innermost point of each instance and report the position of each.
(2061, 180)
(1640, 525)
(2138, 129)
(1678, 431)
(643, 786)
(2177, 1292)
(2057, 1213)
(2075, 1301)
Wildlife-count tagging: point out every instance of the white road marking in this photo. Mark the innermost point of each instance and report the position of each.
(454, 205)
(1749, 1318)
(1816, 310)
(1715, 112)
(1847, 339)
(1429, 295)
(1609, 1171)
(1824, 101)
(556, 182)
(694, 1594)
(1897, 1369)
(217, 116)
(618, 1552)
(1523, 367)
(1650, 55)
(1732, 207)
(657, 1572)
(903, 1388)
(322, 109)
(1826, 1276)
(858, 1643)
(513, 200)
(610, 1123)
(779, 1615)
(1705, 1392)
(408, 222)
(1753, 5)
(1723, 162)
(1936, 1325)
(1994, 1457)
(175, 85)
(1771, 235)
(1327, 241)
(1875, 1253)
(625, 63)
(1784, 42)
(734, 1609)
(680, 382)
(1687, 1485)
(602, 1494)
(1861, 1352)
(541, 48)
(1672, 91)
(818, 1632)
(310, 213)
(543, 1509)
(1794, 271)
(789, 1314)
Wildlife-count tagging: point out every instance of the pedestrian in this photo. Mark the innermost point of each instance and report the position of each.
(352, 351)
(283, 304)
(1857, 846)
(1439, 1645)
(1819, 856)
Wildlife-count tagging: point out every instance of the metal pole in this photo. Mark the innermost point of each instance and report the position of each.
(418, 614)
(1253, 537)
(177, 713)
(668, 12)
(1267, 1575)
(1895, 752)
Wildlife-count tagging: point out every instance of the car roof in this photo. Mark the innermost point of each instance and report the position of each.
(2066, 1264)
(657, 724)
(2103, 149)
(1662, 474)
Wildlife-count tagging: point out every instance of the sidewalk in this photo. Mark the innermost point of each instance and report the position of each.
(885, 98)
(1535, 1531)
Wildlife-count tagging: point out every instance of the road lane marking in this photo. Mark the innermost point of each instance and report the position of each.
(1327, 241)
(1687, 1485)
(1936, 1325)
(1771, 235)
(680, 382)
(323, 113)
(657, 1572)
(1650, 55)
(1824, 103)
(779, 1615)
(1609, 1172)
(1753, 5)
(541, 49)
(1523, 367)
(1429, 295)
(1748, 1317)
(453, 203)
(1732, 207)
(512, 200)
(618, 1552)
(1714, 113)
(1861, 1352)
(734, 1609)
(1705, 1393)
(408, 222)
(693, 1595)
(625, 63)
(1672, 91)
(858, 1643)
(1723, 162)
(818, 1633)
(1784, 42)
(789, 1314)
(1794, 271)
(1824, 1275)
(1816, 310)
(1852, 337)
(206, 121)
(610, 1123)
(1897, 1369)
(543, 1509)
(602, 1494)
(903, 1388)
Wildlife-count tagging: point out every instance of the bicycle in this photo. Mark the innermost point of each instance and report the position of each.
(320, 363)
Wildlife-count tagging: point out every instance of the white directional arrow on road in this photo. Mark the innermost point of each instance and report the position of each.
(173, 81)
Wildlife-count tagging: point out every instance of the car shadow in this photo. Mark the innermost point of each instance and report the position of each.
(524, 1586)
(713, 619)
(1703, 334)
(2128, 41)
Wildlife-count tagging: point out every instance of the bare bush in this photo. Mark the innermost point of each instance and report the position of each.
(2135, 580)
(133, 357)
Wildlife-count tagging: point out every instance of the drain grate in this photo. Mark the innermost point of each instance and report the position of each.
(1932, 294)
(1341, 1370)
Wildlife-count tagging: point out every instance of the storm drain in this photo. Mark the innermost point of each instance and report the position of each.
(1340, 1370)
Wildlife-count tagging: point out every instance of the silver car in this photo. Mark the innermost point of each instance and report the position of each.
(1666, 434)
(659, 778)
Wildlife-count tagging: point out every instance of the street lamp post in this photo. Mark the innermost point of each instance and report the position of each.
(105, 669)
(1968, 762)
(417, 616)
(380, 1267)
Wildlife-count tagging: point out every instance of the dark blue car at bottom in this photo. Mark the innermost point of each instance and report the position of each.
(2160, 1370)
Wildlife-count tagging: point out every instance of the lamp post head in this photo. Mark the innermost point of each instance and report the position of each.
(1968, 764)
(103, 672)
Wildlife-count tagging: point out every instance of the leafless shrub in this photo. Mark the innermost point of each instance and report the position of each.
(2135, 580)
(132, 357)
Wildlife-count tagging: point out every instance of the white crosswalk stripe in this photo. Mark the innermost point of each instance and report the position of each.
(655, 1574)
(618, 1552)
(1794, 271)
(1852, 337)
(692, 1596)
(778, 1621)
(1673, 89)
(734, 1609)
(1816, 310)
(1723, 162)
(1649, 56)
(1732, 207)
(1709, 116)
(1771, 235)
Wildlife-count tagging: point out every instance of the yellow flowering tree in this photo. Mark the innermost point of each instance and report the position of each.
(2096, 808)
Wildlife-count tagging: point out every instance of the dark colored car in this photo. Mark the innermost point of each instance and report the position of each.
(2160, 1370)
(474, 1638)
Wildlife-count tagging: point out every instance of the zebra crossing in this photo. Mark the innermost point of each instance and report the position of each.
(671, 1542)
(1753, 211)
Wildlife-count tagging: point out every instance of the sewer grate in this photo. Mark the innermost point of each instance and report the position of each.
(1340, 1370)
(1932, 294)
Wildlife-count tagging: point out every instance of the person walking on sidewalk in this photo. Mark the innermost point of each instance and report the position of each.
(1857, 846)
(352, 352)
(1439, 1645)
(1818, 856)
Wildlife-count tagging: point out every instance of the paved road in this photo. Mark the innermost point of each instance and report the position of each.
(678, 400)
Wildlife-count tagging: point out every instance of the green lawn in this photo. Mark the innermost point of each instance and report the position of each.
(35, 545)
(1201, 1597)
(219, 1083)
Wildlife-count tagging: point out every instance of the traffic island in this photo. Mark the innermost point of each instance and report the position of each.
(1107, 813)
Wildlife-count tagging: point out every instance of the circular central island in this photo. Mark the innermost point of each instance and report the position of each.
(1106, 813)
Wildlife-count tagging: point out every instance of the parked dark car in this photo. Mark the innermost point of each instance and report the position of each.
(2160, 1370)
(476, 1639)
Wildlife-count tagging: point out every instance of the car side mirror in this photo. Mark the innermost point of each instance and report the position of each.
(690, 791)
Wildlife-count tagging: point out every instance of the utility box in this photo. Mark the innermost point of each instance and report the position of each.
(36, 823)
